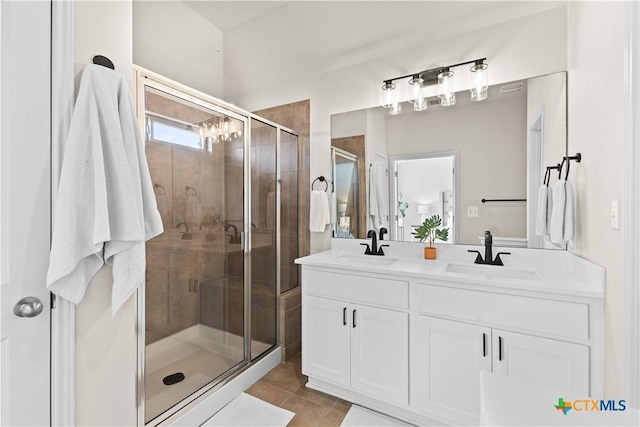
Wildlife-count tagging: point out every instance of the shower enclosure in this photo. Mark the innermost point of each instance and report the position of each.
(221, 177)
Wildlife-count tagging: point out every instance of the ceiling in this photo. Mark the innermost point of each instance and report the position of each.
(270, 43)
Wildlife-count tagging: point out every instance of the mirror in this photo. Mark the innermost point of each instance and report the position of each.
(476, 164)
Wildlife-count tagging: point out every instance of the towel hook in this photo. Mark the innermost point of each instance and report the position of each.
(186, 191)
(104, 61)
(160, 187)
(321, 179)
(577, 158)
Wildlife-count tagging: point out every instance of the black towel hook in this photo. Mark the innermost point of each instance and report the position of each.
(577, 158)
(104, 61)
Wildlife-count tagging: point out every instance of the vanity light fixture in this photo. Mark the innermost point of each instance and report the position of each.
(443, 77)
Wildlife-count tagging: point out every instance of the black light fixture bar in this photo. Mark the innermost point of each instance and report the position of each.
(424, 74)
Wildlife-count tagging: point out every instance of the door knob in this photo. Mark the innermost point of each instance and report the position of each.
(28, 307)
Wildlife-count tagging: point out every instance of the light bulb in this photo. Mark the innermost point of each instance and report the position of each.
(388, 94)
(445, 88)
(419, 103)
(479, 81)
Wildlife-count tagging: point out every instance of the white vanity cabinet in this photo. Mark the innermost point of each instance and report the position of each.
(351, 342)
(457, 338)
(408, 338)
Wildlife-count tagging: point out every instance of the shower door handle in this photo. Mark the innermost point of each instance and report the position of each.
(242, 241)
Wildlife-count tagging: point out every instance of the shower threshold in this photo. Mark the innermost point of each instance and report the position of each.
(201, 353)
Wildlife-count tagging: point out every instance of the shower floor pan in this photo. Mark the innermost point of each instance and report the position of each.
(201, 353)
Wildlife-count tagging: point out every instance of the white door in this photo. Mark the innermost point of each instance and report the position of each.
(380, 353)
(451, 356)
(551, 363)
(24, 211)
(326, 339)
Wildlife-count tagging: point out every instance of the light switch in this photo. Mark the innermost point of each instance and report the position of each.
(472, 211)
(615, 215)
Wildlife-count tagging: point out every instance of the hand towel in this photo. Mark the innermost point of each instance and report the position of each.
(192, 211)
(568, 231)
(319, 215)
(378, 208)
(271, 210)
(163, 207)
(541, 211)
(549, 207)
(105, 209)
(556, 226)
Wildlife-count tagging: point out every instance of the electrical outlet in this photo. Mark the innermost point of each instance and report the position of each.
(615, 215)
(472, 211)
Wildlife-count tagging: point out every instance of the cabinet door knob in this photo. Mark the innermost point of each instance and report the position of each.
(344, 316)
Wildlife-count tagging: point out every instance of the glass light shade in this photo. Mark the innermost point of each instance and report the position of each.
(395, 109)
(446, 95)
(479, 82)
(419, 103)
(388, 95)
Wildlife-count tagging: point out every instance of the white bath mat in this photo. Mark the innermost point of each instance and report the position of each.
(362, 417)
(246, 410)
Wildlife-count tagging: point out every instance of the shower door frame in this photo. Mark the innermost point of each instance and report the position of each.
(144, 78)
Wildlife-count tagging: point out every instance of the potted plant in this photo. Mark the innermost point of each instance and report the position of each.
(211, 222)
(402, 208)
(429, 231)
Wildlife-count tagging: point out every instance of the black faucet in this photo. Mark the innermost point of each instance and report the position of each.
(382, 232)
(186, 235)
(234, 238)
(488, 253)
(373, 250)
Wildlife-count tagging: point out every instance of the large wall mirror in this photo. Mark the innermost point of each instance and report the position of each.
(478, 165)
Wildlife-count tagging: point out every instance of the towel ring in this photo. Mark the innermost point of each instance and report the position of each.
(160, 186)
(321, 179)
(186, 191)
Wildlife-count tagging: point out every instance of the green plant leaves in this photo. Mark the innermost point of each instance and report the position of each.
(429, 231)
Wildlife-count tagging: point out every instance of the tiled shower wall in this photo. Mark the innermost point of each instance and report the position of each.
(295, 116)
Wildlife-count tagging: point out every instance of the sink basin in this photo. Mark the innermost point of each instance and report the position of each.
(491, 272)
(368, 260)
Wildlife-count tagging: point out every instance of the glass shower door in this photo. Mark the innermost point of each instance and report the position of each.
(195, 282)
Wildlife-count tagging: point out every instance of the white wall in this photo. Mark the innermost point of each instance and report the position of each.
(596, 112)
(105, 346)
(490, 138)
(353, 123)
(171, 39)
(518, 49)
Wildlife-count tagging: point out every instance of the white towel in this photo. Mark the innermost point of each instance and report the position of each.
(556, 225)
(569, 227)
(549, 207)
(106, 208)
(163, 207)
(378, 209)
(319, 215)
(541, 211)
(271, 210)
(192, 210)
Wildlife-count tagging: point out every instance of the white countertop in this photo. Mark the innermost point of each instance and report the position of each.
(556, 272)
(505, 401)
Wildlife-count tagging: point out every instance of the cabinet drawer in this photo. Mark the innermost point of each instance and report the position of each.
(559, 318)
(365, 289)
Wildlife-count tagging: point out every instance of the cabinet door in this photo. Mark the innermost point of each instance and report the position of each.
(325, 339)
(380, 353)
(543, 361)
(450, 357)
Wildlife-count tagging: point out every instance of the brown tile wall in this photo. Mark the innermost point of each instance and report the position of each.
(296, 116)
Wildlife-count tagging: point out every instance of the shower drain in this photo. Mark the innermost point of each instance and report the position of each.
(173, 378)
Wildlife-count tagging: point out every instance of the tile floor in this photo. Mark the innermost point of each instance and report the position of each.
(285, 387)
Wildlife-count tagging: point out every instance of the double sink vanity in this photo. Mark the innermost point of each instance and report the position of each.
(410, 337)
